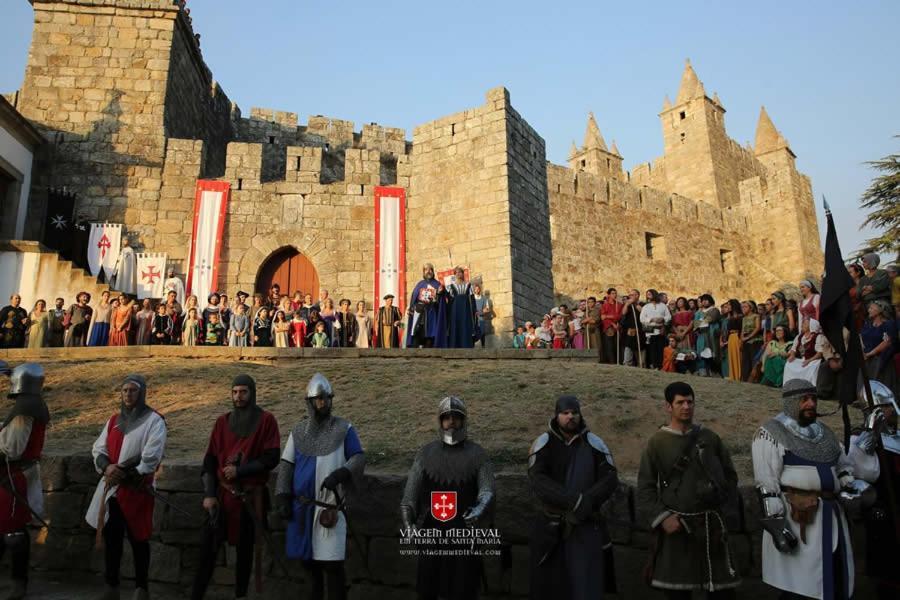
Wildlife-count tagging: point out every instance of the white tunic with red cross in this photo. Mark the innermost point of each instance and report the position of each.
(147, 440)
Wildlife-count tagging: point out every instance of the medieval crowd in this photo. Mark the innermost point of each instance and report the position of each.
(457, 316)
(809, 489)
(768, 342)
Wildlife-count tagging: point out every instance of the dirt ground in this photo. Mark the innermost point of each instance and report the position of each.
(392, 402)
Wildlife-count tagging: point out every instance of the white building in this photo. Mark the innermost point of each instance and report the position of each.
(18, 142)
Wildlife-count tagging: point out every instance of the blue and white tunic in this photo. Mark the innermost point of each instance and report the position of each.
(810, 569)
(306, 539)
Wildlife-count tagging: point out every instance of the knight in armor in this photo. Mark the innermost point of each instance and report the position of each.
(127, 454)
(686, 483)
(322, 461)
(800, 470)
(21, 443)
(427, 314)
(572, 473)
(243, 449)
(455, 467)
(875, 456)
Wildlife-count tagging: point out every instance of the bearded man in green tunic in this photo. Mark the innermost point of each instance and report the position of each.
(685, 481)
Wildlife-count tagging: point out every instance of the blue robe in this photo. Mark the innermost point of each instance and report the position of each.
(435, 314)
(462, 317)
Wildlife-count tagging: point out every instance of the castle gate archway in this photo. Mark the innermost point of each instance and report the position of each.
(291, 270)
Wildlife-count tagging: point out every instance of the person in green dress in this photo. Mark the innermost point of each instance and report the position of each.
(775, 357)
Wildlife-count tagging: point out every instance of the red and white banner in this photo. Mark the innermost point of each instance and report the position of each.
(151, 273)
(390, 245)
(104, 245)
(210, 205)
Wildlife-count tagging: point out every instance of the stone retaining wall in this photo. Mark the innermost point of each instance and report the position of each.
(69, 482)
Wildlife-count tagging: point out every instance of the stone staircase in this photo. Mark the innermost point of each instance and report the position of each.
(37, 272)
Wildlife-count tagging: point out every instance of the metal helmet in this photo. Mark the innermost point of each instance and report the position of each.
(319, 387)
(452, 404)
(881, 396)
(26, 379)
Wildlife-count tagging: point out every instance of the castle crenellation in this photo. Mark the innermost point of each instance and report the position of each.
(134, 117)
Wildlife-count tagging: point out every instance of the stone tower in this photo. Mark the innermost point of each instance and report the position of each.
(780, 208)
(108, 83)
(693, 129)
(594, 157)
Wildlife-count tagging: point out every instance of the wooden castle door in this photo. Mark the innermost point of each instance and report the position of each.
(291, 270)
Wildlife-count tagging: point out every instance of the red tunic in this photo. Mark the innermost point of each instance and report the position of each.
(14, 515)
(298, 333)
(610, 313)
(136, 504)
(225, 446)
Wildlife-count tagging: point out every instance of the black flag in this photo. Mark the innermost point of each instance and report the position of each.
(58, 225)
(836, 315)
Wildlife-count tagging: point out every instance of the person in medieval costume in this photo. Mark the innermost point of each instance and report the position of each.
(462, 312)
(458, 468)
(98, 332)
(21, 444)
(243, 449)
(426, 325)
(875, 456)
(125, 271)
(800, 469)
(706, 327)
(78, 319)
(572, 474)
(56, 333)
(387, 324)
(346, 328)
(173, 283)
(322, 460)
(13, 323)
(685, 482)
(127, 453)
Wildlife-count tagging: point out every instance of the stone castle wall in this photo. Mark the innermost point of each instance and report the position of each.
(476, 188)
(134, 118)
(599, 227)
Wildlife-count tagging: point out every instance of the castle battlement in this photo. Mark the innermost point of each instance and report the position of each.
(580, 185)
(135, 118)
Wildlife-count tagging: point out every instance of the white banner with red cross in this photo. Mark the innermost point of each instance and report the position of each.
(390, 245)
(151, 274)
(104, 244)
(210, 206)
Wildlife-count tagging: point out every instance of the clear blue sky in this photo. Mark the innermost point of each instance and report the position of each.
(826, 71)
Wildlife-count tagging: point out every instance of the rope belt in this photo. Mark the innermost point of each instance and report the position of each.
(705, 514)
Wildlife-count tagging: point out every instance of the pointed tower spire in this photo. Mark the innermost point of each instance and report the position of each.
(667, 104)
(573, 150)
(615, 149)
(767, 136)
(592, 137)
(690, 87)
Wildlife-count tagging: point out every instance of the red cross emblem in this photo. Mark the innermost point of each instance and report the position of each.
(151, 275)
(443, 506)
(103, 245)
